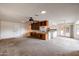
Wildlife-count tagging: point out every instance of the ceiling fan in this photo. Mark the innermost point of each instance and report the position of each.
(31, 20)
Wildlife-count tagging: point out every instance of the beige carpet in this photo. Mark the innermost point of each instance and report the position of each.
(59, 46)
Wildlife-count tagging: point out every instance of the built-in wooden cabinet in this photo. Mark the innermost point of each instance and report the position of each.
(42, 36)
(36, 27)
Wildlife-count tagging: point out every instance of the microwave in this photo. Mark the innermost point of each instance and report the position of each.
(43, 28)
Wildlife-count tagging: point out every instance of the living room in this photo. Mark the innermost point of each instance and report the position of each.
(25, 28)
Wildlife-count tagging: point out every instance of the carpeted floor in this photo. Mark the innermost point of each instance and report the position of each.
(59, 46)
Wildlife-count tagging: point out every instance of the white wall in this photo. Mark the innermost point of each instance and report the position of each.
(0, 28)
(12, 29)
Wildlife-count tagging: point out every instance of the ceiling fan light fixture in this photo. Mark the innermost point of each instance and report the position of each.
(31, 19)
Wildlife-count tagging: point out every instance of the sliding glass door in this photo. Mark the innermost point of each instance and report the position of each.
(77, 29)
(64, 30)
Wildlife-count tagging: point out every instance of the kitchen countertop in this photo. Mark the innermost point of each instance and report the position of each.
(38, 31)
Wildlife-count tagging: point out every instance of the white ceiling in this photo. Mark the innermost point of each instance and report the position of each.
(55, 12)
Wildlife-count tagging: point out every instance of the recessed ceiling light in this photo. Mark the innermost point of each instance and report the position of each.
(43, 12)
